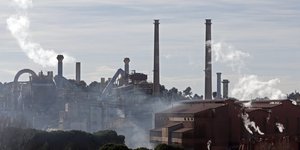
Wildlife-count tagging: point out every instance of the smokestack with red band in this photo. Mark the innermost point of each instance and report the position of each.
(208, 63)
(126, 68)
(156, 84)
(78, 70)
(219, 95)
(60, 65)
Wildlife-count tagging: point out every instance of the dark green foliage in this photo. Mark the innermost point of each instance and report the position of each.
(174, 94)
(187, 92)
(15, 138)
(109, 136)
(197, 97)
(29, 139)
(142, 148)
(214, 94)
(114, 147)
(294, 96)
(94, 87)
(167, 147)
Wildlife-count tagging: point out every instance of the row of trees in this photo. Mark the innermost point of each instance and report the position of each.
(124, 147)
(31, 139)
(294, 95)
(175, 94)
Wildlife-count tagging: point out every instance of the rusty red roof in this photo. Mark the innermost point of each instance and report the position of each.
(194, 107)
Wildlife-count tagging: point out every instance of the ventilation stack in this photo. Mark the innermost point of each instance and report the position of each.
(78, 70)
(156, 82)
(126, 68)
(60, 65)
(208, 62)
(225, 88)
(219, 95)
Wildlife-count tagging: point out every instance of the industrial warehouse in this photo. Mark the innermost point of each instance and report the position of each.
(230, 124)
(227, 123)
(52, 102)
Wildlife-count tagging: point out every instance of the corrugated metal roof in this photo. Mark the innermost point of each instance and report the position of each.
(172, 124)
(248, 110)
(193, 107)
(264, 105)
(182, 130)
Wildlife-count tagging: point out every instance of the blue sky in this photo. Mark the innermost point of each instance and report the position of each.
(100, 33)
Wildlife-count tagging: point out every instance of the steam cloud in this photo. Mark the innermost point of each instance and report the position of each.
(18, 25)
(208, 144)
(226, 53)
(280, 127)
(250, 124)
(250, 86)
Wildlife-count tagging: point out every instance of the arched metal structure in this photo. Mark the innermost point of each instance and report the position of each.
(22, 72)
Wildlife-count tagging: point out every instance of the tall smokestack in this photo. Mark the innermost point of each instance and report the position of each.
(219, 95)
(126, 68)
(78, 70)
(156, 84)
(208, 66)
(60, 65)
(225, 88)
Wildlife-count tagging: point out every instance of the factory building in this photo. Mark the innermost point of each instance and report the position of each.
(48, 101)
(230, 124)
(53, 101)
(225, 123)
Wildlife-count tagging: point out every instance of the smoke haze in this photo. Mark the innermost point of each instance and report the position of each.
(248, 86)
(18, 24)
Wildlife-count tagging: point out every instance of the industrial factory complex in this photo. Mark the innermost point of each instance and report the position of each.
(226, 123)
(50, 101)
(230, 124)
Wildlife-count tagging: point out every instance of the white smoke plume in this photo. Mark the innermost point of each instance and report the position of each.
(18, 25)
(208, 144)
(280, 127)
(226, 53)
(294, 102)
(248, 104)
(249, 87)
(250, 124)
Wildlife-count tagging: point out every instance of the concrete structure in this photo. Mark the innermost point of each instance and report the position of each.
(219, 80)
(225, 88)
(156, 82)
(230, 124)
(60, 65)
(126, 69)
(208, 62)
(78, 72)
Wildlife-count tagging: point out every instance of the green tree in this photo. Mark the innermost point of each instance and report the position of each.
(142, 148)
(188, 92)
(196, 96)
(294, 96)
(114, 147)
